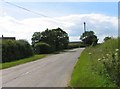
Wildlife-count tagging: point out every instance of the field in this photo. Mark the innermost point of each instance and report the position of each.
(97, 66)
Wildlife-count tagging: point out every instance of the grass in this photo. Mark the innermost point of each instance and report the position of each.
(87, 72)
(21, 61)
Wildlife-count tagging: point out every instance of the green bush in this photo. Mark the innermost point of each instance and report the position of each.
(15, 50)
(41, 48)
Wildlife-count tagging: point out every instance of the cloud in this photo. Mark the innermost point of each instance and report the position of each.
(102, 25)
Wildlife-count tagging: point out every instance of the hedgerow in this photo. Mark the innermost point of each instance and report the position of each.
(15, 50)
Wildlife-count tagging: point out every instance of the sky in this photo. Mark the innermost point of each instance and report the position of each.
(100, 17)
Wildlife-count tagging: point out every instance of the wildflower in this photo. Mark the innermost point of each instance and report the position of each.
(116, 50)
(90, 53)
(116, 54)
(107, 54)
(99, 59)
(103, 57)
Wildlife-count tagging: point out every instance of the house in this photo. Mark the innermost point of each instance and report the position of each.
(7, 38)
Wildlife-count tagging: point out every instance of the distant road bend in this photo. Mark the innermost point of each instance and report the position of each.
(52, 71)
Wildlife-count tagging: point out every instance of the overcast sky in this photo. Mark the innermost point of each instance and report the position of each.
(100, 17)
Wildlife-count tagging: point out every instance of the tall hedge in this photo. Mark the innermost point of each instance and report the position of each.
(15, 50)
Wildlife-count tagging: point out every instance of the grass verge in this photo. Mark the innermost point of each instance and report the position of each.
(21, 61)
(88, 70)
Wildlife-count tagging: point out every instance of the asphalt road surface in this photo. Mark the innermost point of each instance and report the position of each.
(51, 71)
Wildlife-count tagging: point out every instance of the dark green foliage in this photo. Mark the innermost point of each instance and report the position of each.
(56, 38)
(89, 38)
(15, 50)
(36, 38)
(42, 47)
(28, 51)
(107, 38)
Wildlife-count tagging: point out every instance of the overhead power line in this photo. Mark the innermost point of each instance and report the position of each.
(25, 9)
(31, 11)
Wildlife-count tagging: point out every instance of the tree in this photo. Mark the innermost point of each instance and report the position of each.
(36, 37)
(89, 38)
(56, 38)
(107, 38)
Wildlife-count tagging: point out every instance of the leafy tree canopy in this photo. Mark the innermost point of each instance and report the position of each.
(107, 38)
(56, 38)
(89, 38)
(36, 37)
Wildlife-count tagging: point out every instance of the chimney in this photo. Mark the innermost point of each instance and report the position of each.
(84, 27)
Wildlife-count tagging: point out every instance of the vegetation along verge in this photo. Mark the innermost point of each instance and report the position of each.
(98, 66)
(21, 61)
(13, 50)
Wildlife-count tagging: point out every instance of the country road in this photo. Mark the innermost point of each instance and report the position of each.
(51, 71)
